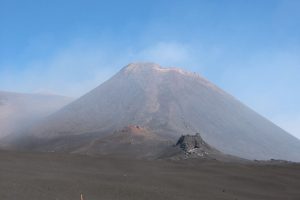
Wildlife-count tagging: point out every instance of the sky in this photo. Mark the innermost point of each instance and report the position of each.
(250, 48)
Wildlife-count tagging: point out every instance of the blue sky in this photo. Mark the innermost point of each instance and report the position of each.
(250, 48)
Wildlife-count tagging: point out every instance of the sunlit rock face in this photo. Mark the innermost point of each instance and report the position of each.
(170, 102)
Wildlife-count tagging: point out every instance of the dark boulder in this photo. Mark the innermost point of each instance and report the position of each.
(189, 143)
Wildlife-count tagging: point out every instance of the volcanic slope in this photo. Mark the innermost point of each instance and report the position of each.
(168, 102)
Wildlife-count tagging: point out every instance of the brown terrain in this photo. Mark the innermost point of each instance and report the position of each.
(53, 176)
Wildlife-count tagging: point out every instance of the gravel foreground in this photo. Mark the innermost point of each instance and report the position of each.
(53, 176)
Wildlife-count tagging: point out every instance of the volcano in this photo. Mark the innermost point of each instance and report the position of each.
(167, 102)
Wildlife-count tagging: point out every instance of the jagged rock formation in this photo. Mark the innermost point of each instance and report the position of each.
(194, 147)
(193, 144)
(167, 102)
(190, 146)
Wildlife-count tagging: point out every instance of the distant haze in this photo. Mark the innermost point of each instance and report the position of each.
(18, 111)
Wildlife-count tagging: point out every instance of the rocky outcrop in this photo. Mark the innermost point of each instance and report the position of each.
(194, 144)
(190, 142)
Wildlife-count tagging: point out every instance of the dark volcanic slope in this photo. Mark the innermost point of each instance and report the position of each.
(19, 110)
(171, 102)
(131, 141)
(57, 176)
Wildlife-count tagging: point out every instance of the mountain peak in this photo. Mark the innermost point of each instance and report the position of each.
(141, 65)
(153, 67)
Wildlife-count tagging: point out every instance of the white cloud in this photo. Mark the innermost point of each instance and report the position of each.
(80, 67)
(165, 53)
